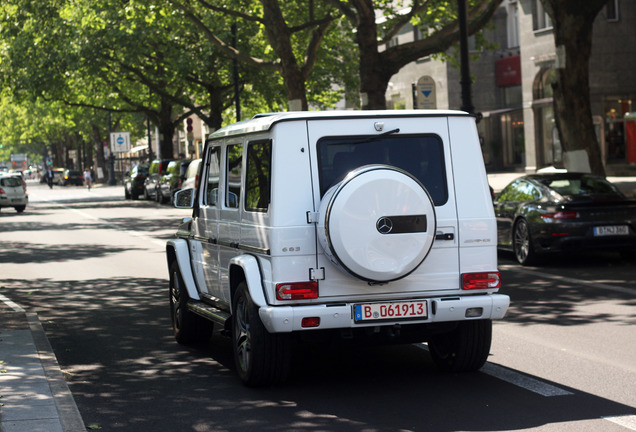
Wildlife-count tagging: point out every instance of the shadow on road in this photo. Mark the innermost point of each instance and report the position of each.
(114, 343)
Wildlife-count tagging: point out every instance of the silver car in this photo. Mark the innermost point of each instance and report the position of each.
(13, 193)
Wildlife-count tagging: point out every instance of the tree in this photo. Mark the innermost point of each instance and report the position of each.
(294, 33)
(376, 66)
(573, 21)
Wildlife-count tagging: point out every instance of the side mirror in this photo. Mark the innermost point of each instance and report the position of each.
(184, 198)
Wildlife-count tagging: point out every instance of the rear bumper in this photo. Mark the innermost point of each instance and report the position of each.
(12, 202)
(285, 319)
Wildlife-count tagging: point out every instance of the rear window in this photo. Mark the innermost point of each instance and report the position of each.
(582, 186)
(420, 155)
(10, 182)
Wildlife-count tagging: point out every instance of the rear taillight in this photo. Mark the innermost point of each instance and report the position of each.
(561, 215)
(297, 291)
(486, 280)
(2, 192)
(196, 181)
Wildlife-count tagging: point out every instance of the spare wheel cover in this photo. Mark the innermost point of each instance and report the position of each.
(378, 224)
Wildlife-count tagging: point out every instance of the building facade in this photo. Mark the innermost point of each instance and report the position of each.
(512, 86)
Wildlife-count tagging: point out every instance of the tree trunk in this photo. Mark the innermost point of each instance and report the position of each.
(372, 85)
(573, 21)
(166, 128)
(98, 144)
(279, 36)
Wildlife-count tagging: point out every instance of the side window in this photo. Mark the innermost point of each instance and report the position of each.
(518, 191)
(234, 175)
(212, 188)
(258, 176)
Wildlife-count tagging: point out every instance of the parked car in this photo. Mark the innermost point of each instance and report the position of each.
(373, 225)
(155, 171)
(134, 181)
(72, 177)
(555, 212)
(171, 180)
(13, 193)
(58, 176)
(191, 179)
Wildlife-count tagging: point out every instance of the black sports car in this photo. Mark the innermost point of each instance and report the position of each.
(542, 213)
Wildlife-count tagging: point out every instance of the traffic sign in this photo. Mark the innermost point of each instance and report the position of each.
(426, 97)
(120, 142)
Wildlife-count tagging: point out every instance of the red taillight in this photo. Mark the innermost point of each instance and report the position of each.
(297, 291)
(2, 192)
(561, 215)
(486, 280)
(196, 181)
(310, 322)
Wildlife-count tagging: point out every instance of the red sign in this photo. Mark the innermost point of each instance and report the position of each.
(508, 71)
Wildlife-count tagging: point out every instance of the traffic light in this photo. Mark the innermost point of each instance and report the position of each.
(189, 125)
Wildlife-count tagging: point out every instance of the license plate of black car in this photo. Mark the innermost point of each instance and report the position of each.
(611, 230)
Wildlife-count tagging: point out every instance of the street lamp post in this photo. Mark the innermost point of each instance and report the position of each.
(467, 104)
(111, 159)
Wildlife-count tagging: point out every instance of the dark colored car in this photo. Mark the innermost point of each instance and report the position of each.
(156, 170)
(134, 181)
(171, 181)
(72, 177)
(542, 213)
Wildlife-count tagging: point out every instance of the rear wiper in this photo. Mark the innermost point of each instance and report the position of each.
(376, 137)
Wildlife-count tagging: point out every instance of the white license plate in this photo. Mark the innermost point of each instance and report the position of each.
(391, 311)
(611, 230)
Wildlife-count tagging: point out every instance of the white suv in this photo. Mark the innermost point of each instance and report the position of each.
(371, 224)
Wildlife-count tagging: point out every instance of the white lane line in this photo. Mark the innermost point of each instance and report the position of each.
(6, 300)
(516, 378)
(523, 381)
(598, 285)
(627, 421)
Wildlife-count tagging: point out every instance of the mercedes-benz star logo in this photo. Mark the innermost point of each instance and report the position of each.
(384, 225)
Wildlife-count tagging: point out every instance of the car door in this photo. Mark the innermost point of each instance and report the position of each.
(507, 205)
(418, 146)
(204, 249)
(230, 210)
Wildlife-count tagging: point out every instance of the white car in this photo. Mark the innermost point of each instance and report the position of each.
(191, 177)
(13, 192)
(375, 225)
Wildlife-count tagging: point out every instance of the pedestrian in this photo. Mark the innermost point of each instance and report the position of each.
(49, 177)
(87, 178)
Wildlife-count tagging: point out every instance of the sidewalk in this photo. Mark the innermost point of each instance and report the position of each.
(34, 396)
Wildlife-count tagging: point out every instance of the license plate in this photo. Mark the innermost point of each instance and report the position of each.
(391, 311)
(611, 230)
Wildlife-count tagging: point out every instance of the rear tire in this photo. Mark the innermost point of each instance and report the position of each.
(188, 327)
(465, 349)
(261, 358)
(522, 243)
